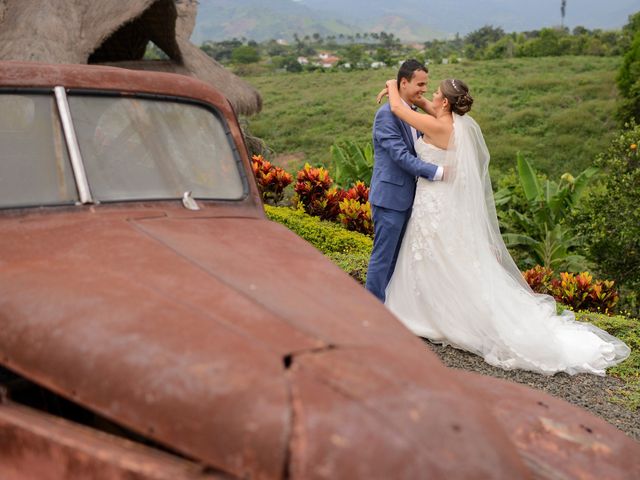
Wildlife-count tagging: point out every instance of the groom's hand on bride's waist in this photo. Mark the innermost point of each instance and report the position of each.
(448, 173)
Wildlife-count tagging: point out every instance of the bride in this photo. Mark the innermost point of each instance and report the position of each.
(454, 281)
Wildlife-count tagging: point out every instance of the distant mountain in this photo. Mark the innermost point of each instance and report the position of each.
(411, 20)
(464, 16)
(263, 20)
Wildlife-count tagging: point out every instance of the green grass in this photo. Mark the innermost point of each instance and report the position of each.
(627, 330)
(557, 111)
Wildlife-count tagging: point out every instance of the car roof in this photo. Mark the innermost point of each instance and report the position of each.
(98, 77)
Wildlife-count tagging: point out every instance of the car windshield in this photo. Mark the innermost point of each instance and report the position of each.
(34, 165)
(144, 149)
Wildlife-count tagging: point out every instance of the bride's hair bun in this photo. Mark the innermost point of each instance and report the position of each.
(463, 104)
(457, 92)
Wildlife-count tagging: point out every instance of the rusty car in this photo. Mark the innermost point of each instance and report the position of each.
(154, 324)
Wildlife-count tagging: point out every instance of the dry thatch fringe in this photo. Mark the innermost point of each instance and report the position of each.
(255, 145)
(116, 33)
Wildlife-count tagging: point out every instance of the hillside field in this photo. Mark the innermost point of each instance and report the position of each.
(558, 111)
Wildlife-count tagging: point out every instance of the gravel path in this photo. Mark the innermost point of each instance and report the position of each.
(587, 391)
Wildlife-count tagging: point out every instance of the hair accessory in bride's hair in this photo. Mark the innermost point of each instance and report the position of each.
(453, 82)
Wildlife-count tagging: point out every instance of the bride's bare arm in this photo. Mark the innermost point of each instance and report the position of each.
(425, 105)
(419, 121)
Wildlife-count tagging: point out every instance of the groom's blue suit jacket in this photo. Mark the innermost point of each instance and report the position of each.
(396, 166)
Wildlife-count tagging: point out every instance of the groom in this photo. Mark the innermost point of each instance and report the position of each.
(395, 173)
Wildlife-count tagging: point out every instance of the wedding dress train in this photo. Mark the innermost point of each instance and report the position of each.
(455, 283)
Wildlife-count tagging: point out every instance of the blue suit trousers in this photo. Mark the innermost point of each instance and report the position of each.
(389, 226)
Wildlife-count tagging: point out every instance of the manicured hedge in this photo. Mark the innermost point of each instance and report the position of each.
(328, 237)
(347, 249)
(355, 264)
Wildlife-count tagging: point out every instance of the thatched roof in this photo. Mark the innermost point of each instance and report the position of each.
(116, 32)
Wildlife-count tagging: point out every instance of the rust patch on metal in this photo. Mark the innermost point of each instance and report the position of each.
(350, 422)
(564, 432)
(553, 436)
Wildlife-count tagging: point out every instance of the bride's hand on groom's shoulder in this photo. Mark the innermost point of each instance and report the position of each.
(383, 93)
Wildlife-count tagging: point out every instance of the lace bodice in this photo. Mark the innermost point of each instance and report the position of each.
(430, 153)
(428, 204)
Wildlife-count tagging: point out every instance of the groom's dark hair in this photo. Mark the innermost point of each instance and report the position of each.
(409, 68)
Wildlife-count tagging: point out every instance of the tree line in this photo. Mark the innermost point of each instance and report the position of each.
(362, 50)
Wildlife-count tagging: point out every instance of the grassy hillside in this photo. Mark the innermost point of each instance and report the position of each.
(557, 111)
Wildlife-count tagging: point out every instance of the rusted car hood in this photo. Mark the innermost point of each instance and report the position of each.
(184, 328)
(192, 335)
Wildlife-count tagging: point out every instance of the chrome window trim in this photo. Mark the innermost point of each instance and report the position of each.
(72, 145)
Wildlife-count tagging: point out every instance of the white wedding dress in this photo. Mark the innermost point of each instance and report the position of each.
(455, 283)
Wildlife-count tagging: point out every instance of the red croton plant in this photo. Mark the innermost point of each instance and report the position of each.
(314, 192)
(271, 180)
(579, 291)
(316, 195)
(355, 210)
